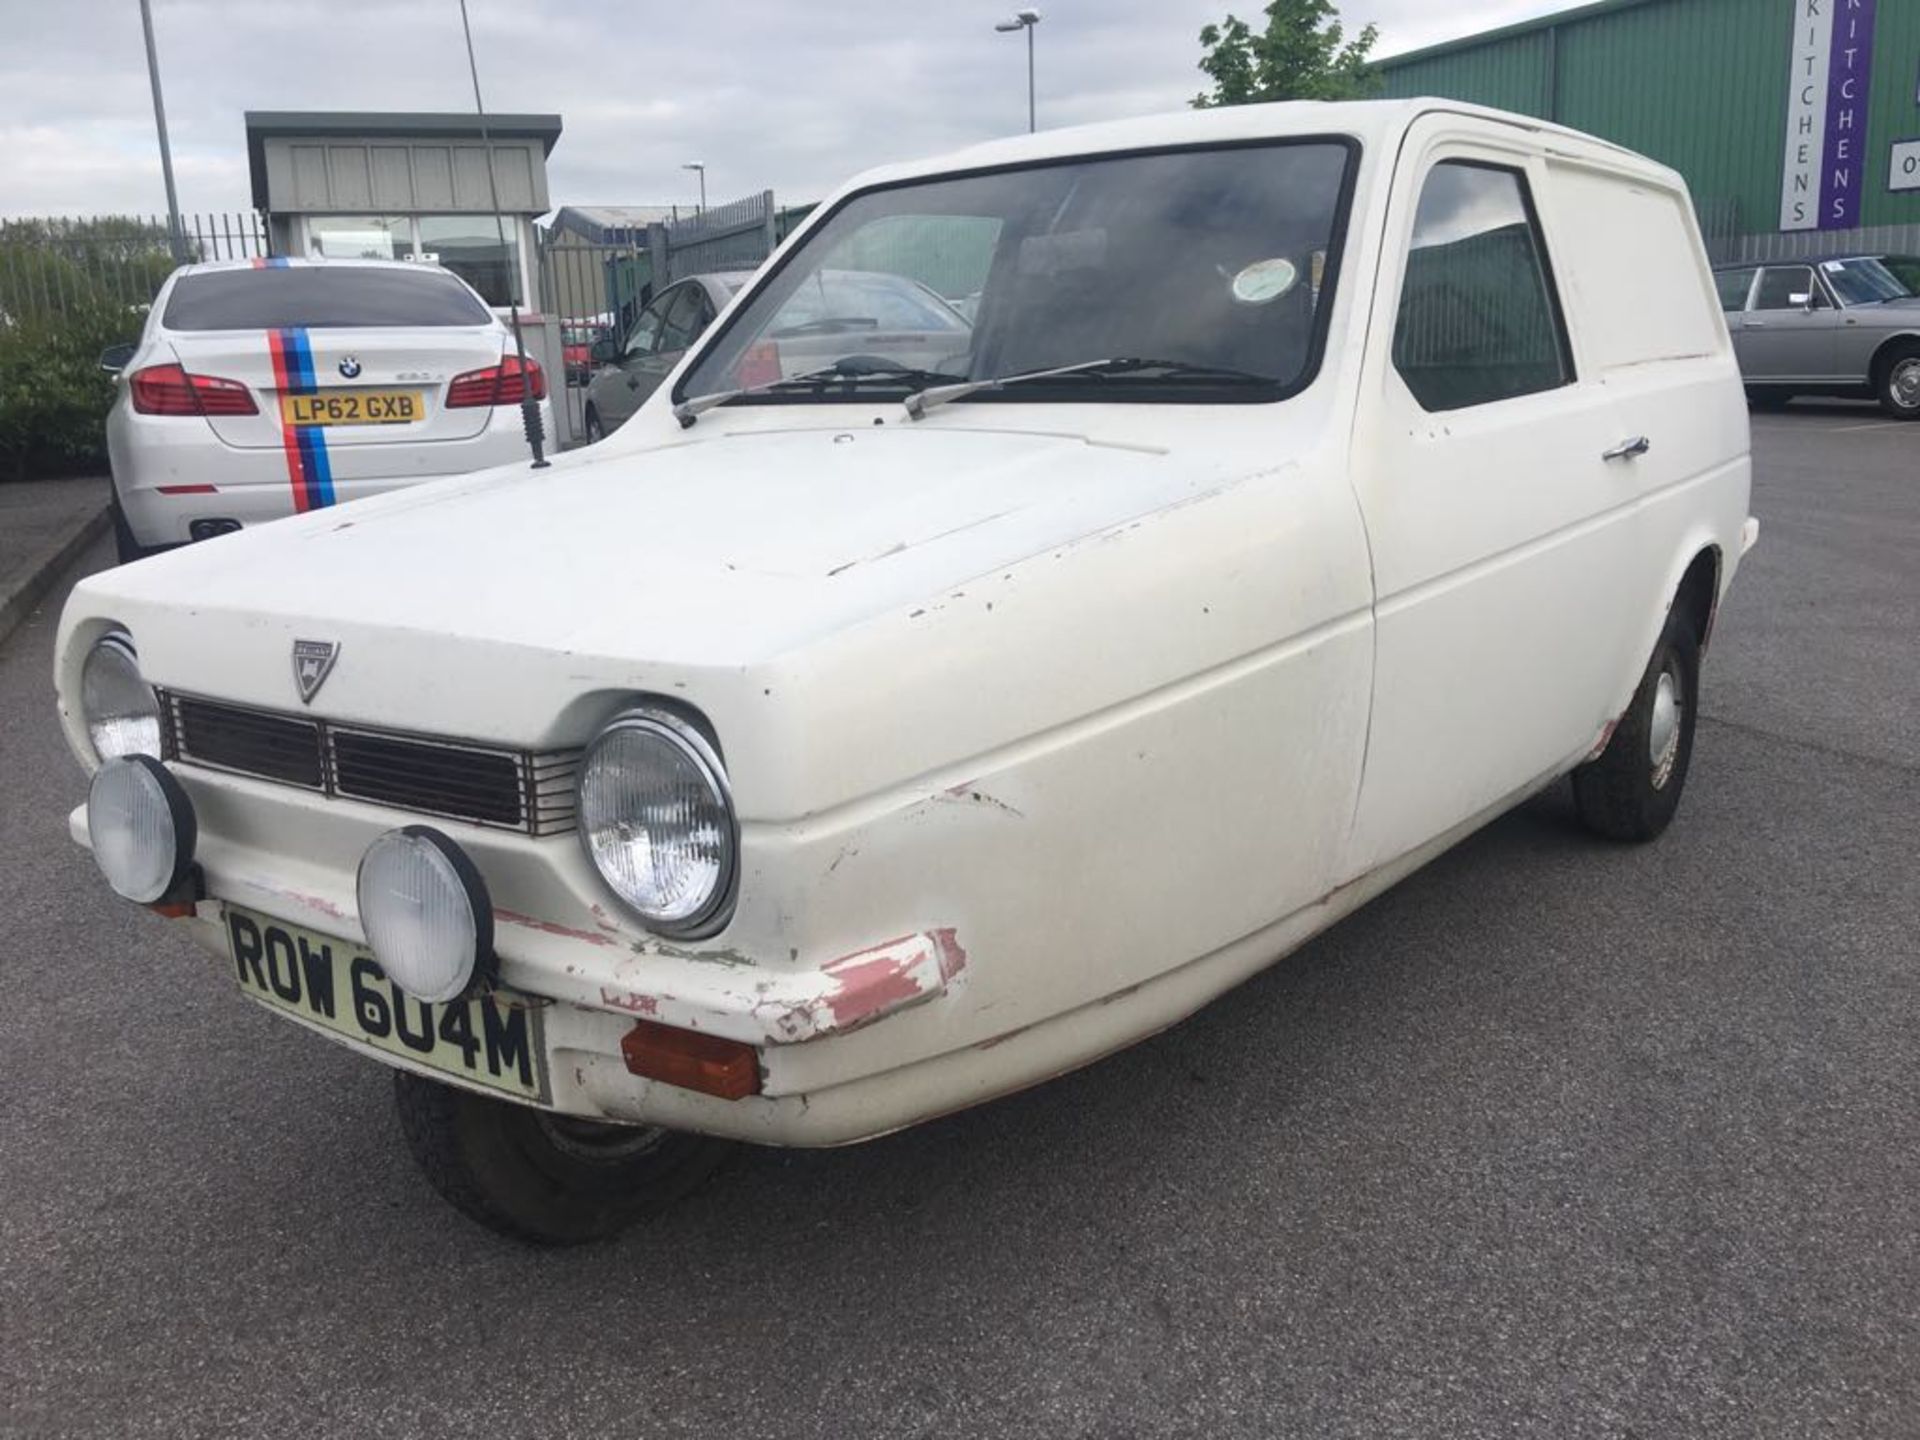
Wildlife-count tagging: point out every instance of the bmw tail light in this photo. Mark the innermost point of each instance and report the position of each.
(502, 384)
(170, 390)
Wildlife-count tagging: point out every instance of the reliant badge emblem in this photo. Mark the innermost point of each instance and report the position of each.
(312, 663)
(349, 367)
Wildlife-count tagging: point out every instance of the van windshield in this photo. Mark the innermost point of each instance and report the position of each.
(1216, 265)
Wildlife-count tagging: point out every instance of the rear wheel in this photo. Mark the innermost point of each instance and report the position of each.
(1763, 397)
(540, 1177)
(1899, 387)
(1633, 789)
(595, 433)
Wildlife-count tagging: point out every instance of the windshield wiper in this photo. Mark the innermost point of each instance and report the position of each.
(850, 370)
(922, 401)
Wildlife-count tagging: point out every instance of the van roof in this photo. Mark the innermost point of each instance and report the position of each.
(1373, 122)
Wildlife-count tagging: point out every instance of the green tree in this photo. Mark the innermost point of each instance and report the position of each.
(1302, 54)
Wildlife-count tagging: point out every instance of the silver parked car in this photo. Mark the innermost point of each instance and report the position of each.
(1845, 326)
(626, 372)
(901, 324)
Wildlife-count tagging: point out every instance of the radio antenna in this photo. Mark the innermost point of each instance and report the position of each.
(529, 407)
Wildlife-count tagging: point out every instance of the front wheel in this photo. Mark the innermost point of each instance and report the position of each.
(1632, 790)
(595, 433)
(1900, 383)
(540, 1177)
(1764, 397)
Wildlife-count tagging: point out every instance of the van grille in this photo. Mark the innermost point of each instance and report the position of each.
(422, 774)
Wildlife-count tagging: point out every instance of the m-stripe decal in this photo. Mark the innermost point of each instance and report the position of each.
(308, 468)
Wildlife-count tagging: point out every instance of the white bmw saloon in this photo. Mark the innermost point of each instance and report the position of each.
(270, 387)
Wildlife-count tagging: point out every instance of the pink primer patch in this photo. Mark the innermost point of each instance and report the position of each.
(317, 902)
(549, 927)
(953, 955)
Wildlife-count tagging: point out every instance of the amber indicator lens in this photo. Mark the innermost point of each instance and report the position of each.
(707, 1063)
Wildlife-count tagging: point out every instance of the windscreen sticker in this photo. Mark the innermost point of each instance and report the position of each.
(1264, 281)
(1830, 266)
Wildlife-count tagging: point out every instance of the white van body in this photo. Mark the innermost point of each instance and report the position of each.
(1044, 724)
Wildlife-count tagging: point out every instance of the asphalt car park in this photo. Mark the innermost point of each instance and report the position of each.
(1554, 1138)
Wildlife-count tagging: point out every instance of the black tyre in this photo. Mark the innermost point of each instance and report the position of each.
(1761, 397)
(127, 548)
(594, 431)
(1632, 790)
(1899, 382)
(544, 1178)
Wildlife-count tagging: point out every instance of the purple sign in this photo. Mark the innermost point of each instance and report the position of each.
(1824, 168)
(1843, 170)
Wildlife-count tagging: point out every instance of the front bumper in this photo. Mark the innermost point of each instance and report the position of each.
(596, 983)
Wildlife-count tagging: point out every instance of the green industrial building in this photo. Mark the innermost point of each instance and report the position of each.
(1795, 122)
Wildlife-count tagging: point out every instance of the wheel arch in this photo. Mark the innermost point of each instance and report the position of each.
(1695, 580)
(1884, 352)
(1697, 594)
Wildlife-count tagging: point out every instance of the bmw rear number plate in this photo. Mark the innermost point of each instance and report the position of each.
(352, 407)
(497, 1040)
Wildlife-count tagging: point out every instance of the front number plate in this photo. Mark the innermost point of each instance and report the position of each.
(352, 407)
(496, 1040)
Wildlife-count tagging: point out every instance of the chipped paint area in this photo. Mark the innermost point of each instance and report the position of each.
(968, 792)
(1606, 737)
(553, 927)
(631, 1001)
(319, 904)
(790, 1007)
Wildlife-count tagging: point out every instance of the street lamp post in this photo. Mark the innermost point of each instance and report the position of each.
(1024, 20)
(176, 240)
(701, 167)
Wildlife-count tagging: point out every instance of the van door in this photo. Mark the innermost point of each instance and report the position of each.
(1497, 498)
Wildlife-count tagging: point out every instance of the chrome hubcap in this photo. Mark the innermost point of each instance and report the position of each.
(1663, 733)
(1905, 384)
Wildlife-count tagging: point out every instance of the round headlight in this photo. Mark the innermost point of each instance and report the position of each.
(121, 710)
(426, 913)
(657, 820)
(141, 826)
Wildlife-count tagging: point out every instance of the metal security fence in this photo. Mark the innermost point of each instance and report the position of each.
(67, 266)
(597, 288)
(734, 236)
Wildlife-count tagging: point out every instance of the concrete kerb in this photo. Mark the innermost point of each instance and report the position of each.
(17, 598)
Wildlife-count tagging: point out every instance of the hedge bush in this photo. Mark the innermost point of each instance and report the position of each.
(68, 289)
(53, 394)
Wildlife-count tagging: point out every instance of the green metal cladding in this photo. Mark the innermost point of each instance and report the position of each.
(1700, 85)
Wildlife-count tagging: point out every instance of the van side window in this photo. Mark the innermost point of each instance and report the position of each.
(1733, 286)
(1479, 320)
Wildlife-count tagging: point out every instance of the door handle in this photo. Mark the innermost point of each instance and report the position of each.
(1627, 449)
(633, 382)
(1756, 325)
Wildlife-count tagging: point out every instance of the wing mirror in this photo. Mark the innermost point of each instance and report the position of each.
(603, 352)
(114, 358)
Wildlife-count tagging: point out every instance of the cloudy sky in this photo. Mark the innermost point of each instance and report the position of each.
(789, 94)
